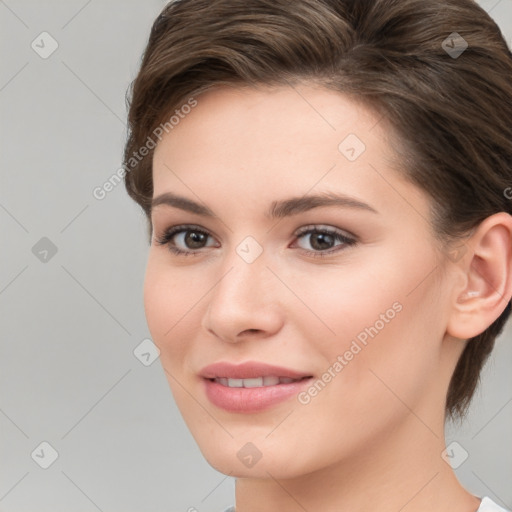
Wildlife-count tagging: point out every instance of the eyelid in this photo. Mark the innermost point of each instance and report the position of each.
(324, 227)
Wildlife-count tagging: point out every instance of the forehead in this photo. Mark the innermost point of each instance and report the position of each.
(282, 115)
(285, 140)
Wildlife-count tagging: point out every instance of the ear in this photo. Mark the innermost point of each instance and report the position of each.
(487, 270)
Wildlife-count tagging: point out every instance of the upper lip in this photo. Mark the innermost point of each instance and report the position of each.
(248, 370)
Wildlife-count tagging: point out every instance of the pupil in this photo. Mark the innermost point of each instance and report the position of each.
(322, 237)
(194, 238)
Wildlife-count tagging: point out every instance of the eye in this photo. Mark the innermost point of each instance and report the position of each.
(322, 240)
(192, 238)
(188, 236)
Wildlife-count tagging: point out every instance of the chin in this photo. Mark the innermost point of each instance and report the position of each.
(244, 460)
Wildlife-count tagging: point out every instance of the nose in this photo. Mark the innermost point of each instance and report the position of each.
(244, 302)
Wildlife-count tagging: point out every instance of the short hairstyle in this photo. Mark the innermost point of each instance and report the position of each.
(448, 106)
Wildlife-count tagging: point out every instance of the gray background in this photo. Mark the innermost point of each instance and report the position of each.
(70, 324)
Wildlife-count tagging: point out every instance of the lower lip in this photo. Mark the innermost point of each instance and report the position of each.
(248, 400)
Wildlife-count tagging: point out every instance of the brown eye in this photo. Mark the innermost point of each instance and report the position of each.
(184, 240)
(322, 241)
(194, 239)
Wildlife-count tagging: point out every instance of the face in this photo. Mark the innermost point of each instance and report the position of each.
(343, 293)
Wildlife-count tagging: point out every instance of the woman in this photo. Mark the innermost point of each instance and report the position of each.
(325, 183)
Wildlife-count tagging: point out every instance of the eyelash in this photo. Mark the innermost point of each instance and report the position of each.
(167, 236)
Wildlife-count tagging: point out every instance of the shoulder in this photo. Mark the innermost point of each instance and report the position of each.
(487, 505)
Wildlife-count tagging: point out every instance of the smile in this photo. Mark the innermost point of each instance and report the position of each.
(256, 382)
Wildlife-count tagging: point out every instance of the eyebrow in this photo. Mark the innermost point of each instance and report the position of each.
(278, 209)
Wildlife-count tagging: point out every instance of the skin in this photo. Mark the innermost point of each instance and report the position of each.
(372, 439)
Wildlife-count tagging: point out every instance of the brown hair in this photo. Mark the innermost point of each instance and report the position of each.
(449, 112)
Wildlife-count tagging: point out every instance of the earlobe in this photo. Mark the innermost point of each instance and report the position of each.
(488, 272)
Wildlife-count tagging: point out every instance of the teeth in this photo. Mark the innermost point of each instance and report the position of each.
(251, 383)
(257, 382)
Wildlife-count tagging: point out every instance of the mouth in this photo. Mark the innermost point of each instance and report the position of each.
(251, 374)
(251, 387)
(256, 382)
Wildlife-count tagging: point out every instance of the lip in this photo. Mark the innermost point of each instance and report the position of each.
(248, 370)
(250, 400)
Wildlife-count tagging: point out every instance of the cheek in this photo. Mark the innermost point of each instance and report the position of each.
(384, 321)
(344, 303)
(169, 299)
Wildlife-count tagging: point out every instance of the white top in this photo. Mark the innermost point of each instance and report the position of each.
(487, 505)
